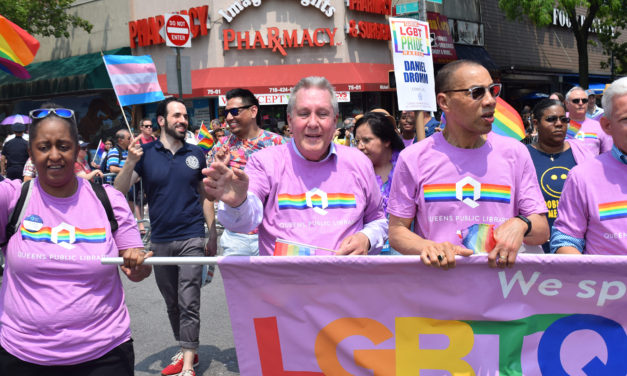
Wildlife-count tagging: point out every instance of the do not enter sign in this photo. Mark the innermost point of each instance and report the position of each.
(177, 30)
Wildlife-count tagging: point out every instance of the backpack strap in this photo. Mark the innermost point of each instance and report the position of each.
(104, 199)
(18, 211)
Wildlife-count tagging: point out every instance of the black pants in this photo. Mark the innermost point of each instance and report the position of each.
(118, 362)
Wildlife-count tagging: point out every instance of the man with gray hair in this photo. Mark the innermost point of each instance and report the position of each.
(592, 213)
(582, 128)
(308, 191)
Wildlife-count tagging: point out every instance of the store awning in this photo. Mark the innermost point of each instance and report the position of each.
(279, 79)
(76, 73)
(476, 53)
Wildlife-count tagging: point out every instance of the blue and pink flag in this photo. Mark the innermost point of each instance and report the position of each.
(100, 153)
(392, 315)
(134, 79)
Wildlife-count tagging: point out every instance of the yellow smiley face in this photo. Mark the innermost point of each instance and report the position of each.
(552, 180)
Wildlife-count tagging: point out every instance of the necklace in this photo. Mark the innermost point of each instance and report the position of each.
(552, 156)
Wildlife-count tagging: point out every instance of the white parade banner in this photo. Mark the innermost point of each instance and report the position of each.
(413, 64)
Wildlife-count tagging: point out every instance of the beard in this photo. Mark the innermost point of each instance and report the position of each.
(170, 130)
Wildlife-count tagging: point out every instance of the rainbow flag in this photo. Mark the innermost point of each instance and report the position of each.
(478, 237)
(289, 248)
(205, 139)
(100, 153)
(134, 79)
(507, 122)
(613, 210)
(17, 48)
(573, 129)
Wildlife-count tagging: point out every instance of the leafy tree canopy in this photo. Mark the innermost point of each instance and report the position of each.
(43, 17)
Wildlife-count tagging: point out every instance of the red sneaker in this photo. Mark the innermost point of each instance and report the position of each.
(176, 367)
(188, 372)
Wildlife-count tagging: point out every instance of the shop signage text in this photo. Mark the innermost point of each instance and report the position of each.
(145, 32)
(371, 6)
(560, 18)
(278, 40)
(369, 30)
(239, 6)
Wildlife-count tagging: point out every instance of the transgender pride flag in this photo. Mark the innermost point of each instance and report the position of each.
(134, 79)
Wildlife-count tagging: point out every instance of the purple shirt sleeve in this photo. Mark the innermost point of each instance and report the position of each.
(403, 194)
(9, 193)
(528, 195)
(572, 211)
(127, 235)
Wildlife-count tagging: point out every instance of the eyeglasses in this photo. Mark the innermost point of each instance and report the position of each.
(235, 110)
(43, 112)
(147, 126)
(477, 92)
(578, 100)
(555, 118)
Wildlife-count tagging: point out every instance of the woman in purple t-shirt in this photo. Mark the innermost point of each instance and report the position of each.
(376, 137)
(61, 311)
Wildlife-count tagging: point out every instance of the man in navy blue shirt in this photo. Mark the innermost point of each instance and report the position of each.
(171, 173)
(15, 153)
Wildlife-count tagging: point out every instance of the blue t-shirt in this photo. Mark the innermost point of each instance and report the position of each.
(115, 159)
(430, 127)
(171, 182)
(552, 170)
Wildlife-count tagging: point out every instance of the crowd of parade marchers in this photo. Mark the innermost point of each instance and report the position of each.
(371, 184)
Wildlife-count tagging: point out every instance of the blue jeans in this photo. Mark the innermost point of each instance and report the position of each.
(236, 244)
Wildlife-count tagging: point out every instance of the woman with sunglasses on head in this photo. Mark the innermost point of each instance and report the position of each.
(375, 136)
(553, 156)
(61, 311)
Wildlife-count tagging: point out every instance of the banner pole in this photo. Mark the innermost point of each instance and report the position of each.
(203, 260)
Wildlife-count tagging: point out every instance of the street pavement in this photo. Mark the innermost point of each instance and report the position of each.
(153, 339)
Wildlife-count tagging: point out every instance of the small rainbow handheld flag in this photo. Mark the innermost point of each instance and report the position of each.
(17, 48)
(289, 248)
(507, 122)
(205, 139)
(478, 237)
(573, 129)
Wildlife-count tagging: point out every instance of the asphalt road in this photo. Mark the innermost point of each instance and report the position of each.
(154, 342)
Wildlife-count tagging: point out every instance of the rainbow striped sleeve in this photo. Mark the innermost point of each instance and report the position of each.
(299, 201)
(613, 210)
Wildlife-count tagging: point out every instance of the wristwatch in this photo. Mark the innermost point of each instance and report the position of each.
(527, 221)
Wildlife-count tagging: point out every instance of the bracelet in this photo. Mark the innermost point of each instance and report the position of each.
(527, 221)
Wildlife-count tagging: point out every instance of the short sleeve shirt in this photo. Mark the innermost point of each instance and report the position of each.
(447, 189)
(241, 150)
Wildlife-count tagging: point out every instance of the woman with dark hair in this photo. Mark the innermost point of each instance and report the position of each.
(375, 136)
(553, 156)
(61, 310)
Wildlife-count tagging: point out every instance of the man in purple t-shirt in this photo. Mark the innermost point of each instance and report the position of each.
(308, 191)
(592, 213)
(465, 175)
(582, 128)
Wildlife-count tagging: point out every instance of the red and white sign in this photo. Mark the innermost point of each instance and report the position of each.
(177, 30)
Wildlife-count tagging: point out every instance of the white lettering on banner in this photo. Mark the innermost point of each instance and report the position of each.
(278, 99)
(561, 19)
(239, 6)
(610, 290)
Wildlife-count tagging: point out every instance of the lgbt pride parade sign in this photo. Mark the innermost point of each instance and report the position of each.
(391, 315)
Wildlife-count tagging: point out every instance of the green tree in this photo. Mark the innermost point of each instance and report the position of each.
(611, 46)
(540, 13)
(43, 17)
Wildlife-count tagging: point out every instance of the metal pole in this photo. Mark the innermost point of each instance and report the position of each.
(178, 71)
(165, 261)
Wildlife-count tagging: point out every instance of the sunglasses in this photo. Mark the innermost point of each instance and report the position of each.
(43, 112)
(235, 110)
(147, 126)
(477, 92)
(579, 100)
(555, 118)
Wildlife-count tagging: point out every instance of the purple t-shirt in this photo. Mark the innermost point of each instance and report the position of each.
(447, 189)
(59, 305)
(593, 137)
(594, 205)
(316, 203)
